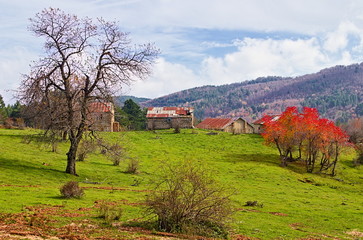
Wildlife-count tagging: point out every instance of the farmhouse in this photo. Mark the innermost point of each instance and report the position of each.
(232, 125)
(102, 117)
(169, 117)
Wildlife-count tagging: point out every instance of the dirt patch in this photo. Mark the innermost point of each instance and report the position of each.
(355, 233)
(38, 223)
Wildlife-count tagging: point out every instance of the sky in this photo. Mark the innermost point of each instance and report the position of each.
(202, 42)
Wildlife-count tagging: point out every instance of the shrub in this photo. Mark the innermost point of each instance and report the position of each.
(133, 166)
(188, 200)
(85, 147)
(115, 153)
(110, 212)
(71, 190)
(253, 204)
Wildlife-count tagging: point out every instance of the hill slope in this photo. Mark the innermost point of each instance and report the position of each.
(337, 92)
(296, 205)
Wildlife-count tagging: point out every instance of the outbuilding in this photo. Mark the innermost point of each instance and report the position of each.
(232, 125)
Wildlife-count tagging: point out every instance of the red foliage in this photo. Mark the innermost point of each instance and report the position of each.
(307, 134)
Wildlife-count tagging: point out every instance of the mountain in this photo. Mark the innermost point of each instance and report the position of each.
(336, 92)
(121, 99)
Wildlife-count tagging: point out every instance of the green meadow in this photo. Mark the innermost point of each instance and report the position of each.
(293, 204)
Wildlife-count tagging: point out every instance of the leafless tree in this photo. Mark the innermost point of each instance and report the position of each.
(354, 129)
(84, 61)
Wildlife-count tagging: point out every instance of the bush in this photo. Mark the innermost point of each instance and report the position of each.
(110, 212)
(253, 204)
(115, 153)
(188, 200)
(133, 166)
(85, 147)
(71, 190)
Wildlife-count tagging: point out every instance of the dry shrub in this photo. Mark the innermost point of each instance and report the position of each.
(133, 166)
(8, 123)
(84, 149)
(188, 200)
(115, 153)
(110, 212)
(71, 190)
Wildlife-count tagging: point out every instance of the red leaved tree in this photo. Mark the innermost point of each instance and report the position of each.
(305, 136)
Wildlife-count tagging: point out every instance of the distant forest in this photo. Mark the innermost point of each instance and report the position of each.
(336, 92)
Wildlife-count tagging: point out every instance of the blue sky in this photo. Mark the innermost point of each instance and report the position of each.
(203, 42)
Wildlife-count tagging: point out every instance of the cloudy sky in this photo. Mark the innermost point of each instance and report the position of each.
(203, 42)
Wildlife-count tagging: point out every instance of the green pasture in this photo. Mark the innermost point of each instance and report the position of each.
(296, 204)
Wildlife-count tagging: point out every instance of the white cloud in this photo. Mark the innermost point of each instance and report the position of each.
(326, 33)
(339, 39)
(266, 57)
(166, 78)
(14, 62)
(254, 58)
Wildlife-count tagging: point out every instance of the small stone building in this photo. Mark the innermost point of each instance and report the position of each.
(169, 117)
(258, 125)
(102, 117)
(232, 125)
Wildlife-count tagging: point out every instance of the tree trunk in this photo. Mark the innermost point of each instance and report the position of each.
(71, 157)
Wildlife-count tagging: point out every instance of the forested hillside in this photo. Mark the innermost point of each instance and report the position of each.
(336, 92)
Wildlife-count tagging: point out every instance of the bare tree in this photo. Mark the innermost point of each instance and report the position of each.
(354, 129)
(84, 61)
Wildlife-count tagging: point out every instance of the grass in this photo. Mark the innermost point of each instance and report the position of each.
(296, 205)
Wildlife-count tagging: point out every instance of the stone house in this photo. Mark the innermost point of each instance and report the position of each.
(232, 125)
(258, 125)
(169, 117)
(102, 117)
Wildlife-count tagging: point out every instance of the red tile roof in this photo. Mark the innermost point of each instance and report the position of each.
(168, 111)
(215, 123)
(100, 107)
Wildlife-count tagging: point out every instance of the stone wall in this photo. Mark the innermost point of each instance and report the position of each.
(169, 122)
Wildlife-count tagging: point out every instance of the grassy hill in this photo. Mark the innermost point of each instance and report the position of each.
(296, 205)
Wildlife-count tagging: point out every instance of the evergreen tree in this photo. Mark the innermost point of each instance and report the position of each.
(3, 114)
(14, 111)
(136, 117)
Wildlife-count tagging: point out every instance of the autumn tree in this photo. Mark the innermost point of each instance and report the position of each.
(84, 61)
(305, 136)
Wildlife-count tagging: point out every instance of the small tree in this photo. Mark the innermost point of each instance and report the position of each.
(136, 117)
(354, 129)
(188, 200)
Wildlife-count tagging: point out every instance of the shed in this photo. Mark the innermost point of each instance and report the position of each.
(232, 125)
